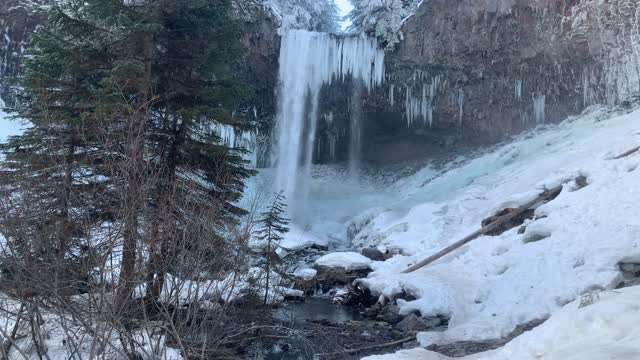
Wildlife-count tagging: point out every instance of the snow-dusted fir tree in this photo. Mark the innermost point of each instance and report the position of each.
(271, 229)
(315, 15)
(121, 97)
(382, 18)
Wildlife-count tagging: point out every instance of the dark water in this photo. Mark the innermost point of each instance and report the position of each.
(317, 309)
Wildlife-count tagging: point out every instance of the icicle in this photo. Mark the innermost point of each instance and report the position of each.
(231, 137)
(460, 104)
(328, 118)
(586, 86)
(422, 107)
(539, 109)
(391, 94)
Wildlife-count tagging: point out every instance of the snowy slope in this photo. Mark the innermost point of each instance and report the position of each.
(600, 327)
(496, 283)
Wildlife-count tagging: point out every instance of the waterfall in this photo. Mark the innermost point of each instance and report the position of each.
(309, 60)
(355, 141)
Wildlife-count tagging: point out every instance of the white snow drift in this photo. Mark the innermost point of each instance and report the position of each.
(497, 282)
(602, 325)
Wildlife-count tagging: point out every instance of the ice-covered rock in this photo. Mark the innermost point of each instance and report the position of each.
(361, 221)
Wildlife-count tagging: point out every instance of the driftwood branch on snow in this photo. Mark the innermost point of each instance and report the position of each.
(627, 153)
(548, 194)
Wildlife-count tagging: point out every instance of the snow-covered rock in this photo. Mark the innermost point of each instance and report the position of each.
(361, 221)
(345, 260)
(305, 274)
(412, 354)
(600, 325)
(298, 239)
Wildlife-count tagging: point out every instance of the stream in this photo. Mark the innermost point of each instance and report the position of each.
(317, 309)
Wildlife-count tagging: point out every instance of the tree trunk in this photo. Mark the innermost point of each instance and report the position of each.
(134, 178)
(165, 225)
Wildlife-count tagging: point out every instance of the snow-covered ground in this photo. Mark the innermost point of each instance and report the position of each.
(600, 326)
(62, 338)
(498, 282)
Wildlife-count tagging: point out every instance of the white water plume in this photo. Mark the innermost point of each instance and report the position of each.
(309, 60)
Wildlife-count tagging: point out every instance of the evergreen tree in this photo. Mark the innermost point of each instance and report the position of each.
(54, 169)
(122, 97)
(382, 18)
(272, 227)
(313, 15)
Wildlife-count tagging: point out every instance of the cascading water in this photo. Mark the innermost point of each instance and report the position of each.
(355, 141)
(309, 60)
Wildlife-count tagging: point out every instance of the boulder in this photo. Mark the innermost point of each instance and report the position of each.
(414, 323)
(375, 254)
(390, 313)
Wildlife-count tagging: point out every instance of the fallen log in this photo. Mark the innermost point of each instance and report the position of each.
(627, 153)
(547, 194)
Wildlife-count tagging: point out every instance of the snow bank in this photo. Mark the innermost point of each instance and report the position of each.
(497, 282)
(606, 329)
(294, 240)
(297, 239)
(413, 354)
(345, 260)
(600, 325)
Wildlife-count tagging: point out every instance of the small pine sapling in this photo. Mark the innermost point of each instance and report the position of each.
(271, 230)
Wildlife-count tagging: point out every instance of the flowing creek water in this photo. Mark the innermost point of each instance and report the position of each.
(318, 309)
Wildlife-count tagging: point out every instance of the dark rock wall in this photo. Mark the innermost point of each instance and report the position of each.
(16, 23)
(472, 72)
(259, 68)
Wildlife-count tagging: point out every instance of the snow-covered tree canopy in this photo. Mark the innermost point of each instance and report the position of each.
(315, 15)
(382, 18)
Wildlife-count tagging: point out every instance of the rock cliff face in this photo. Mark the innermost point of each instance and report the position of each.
(475, 71)
(16, 23)
(259, 68)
